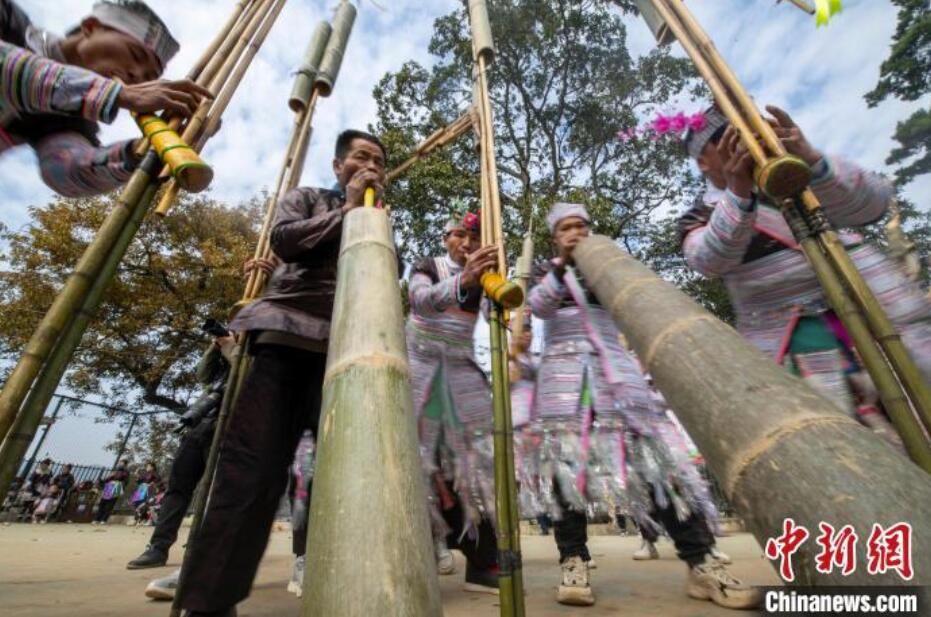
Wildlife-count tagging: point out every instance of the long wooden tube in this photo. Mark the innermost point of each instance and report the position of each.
(434, 141)
(777, 448)
(368, 458)
(203, 70)
(736, 103)
(71, 297)
(501, 293)
(30, 415)
(224, 84)
(882, 328)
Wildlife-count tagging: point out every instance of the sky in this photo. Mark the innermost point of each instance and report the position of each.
(819, 75)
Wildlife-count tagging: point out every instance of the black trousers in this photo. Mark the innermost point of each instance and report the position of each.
(104, 510)
(691, 537)
(481, 552)
(186, 471)
(280, 397)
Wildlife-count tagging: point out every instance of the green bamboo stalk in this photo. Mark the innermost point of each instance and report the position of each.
(27, 421)
(73, 295)
(778, 448)
(368, 456)
(510, 581)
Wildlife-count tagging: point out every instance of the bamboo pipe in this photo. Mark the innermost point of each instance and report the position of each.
(185, 165)
(368, 456)
(778, 448)
(30, 414)
(778, 175)
(495, 284)
(288, 178)
(804, 6)
(510, 578)
(202, 72)
(880, 325)
(437, 139)
(72, 296)
(827, 240)
(240, 59)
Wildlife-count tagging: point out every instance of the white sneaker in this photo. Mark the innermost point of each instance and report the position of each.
(646, 551)
(296, 584)
(574, 589)
(719, 555)
(445, 564)
(163, 588)
(592, 565)
(712, 581)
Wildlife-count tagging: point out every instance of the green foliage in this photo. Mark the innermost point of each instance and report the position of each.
(562, 85)
(145, 338)
(906, 74)
(914, 137)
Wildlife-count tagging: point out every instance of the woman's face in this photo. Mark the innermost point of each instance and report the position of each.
(460, 243)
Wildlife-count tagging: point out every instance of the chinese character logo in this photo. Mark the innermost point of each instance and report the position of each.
(785, 546)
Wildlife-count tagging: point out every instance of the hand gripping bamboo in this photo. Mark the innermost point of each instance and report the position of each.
(46, 355)
(777, 447)
(904, 393)
(503, 294)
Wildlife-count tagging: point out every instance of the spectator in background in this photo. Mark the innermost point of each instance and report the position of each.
(65, 483)
(113, 487)
(41, 478)
(145, 483)
(47, 504)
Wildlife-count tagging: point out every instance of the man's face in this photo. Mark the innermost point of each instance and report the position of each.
(568, 233)
(460, 243)
(712, 166)
(116, 55)
(362, 155)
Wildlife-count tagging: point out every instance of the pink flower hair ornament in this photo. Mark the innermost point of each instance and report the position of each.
(661, 125)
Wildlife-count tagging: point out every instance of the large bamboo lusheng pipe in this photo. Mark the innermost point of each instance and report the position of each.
(30, 416)
(503, 294)
(74, 294)
(368, 454)
(202, 72)
(434, 141)
(224, 85)
(892, 368)
(332, 59)
(778, 449)
(289, 177)
(186, 167)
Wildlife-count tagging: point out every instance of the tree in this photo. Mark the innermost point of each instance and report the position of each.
(141, 346)
(562, 85)
(906, 74)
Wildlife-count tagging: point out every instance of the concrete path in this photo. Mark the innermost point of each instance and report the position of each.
(78, 570)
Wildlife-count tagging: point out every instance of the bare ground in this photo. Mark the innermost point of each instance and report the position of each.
(72, 570)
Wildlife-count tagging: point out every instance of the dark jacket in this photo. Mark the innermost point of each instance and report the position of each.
(299, 297)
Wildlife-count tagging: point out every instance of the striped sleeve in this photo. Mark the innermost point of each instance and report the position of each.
(72, 166)
(33, 84)
(429, 298)
(717, 245)
(850, 195)
(546, 296)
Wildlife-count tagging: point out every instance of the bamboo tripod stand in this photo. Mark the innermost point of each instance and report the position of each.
(904, 393)
(48, 353)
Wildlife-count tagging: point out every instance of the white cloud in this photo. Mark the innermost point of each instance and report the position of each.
(820, 75)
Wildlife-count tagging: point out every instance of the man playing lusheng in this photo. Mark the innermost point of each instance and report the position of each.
(54, 91)
(734, 232)
(453, 401)
(289, 327)
(604, 442)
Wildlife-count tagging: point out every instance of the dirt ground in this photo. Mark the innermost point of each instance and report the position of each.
(72, 570)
